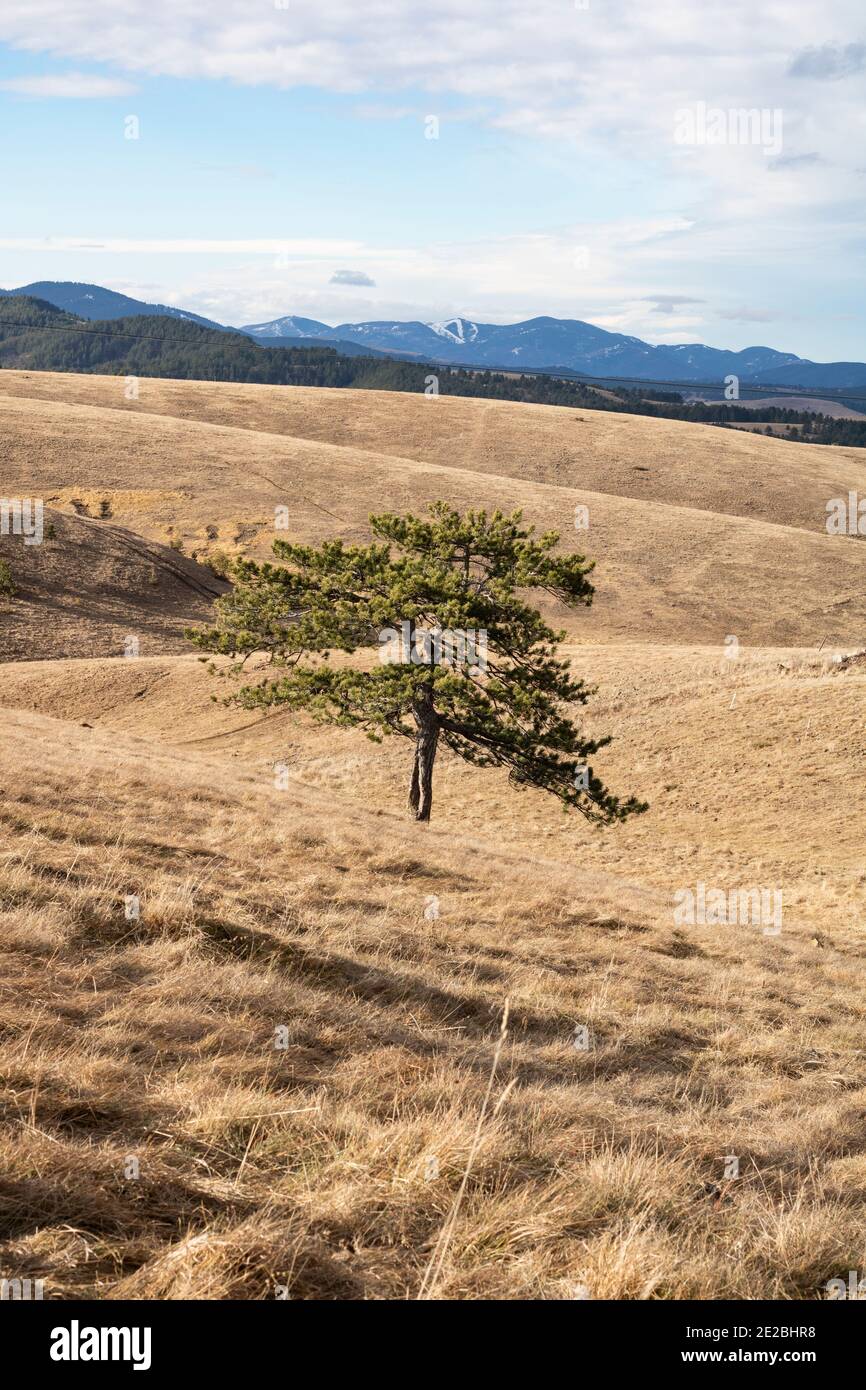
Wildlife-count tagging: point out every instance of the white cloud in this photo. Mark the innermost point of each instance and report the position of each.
(186, 246)
(610, 77)
(599, 271)
(79, 85)
(605, 272)
(549, 64)
(746, 315)
(669, 303)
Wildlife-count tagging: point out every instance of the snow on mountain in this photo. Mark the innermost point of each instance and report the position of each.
(541, 343)
(291, 326)
(457, 330)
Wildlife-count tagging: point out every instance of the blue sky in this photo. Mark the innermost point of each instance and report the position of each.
(282, 164)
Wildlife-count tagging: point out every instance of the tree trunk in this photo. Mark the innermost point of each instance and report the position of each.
(421, 787)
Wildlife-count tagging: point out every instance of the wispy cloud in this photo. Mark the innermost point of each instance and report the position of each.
(191, 246)
(795, 161)
(75, 85)
(745, 315)
(608, 78)
(669, 303)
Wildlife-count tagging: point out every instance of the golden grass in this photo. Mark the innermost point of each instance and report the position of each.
(751, 767)
(629, 456)
(697, 532)
(330, 1167)
(394, 1130)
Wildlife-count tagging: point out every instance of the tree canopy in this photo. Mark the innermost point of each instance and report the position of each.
(463, 659)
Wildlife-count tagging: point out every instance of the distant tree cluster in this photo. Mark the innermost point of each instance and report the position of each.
(817, 428)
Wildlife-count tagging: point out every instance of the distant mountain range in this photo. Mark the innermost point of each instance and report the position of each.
(539, 344)
(95, 302)
(551, 344)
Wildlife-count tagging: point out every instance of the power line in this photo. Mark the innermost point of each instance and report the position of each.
(144, 337)
(645, 383)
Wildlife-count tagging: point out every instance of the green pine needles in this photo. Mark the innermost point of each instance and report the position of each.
(462, 659)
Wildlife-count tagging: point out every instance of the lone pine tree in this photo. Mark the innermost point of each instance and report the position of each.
(462, 658)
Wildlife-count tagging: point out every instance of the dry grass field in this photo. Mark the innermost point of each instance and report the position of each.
(250, 1021)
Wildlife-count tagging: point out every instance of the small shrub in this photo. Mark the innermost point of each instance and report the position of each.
(7, 583)
(219, 563)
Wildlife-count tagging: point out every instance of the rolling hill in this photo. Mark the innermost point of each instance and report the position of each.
(664, 516)
(35, 335)
(285, 1002)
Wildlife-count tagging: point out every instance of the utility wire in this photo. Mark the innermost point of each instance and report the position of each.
(145, 337)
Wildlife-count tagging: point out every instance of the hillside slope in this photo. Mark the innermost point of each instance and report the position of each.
(686, 574)
(295, 1056)
(751, 767)
(635, 456)
(91, 586)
